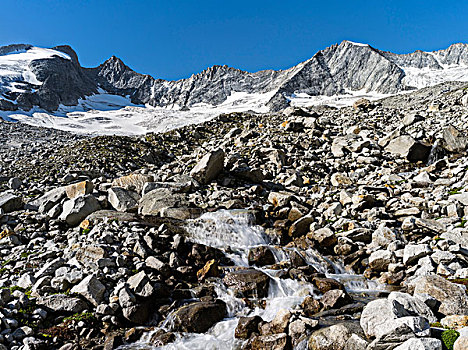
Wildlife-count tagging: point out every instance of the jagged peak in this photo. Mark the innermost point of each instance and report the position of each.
(354, 43)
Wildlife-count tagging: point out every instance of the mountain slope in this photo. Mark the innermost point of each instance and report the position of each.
(52, 80)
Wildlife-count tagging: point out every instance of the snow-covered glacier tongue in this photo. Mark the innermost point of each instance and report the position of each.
(49, 87)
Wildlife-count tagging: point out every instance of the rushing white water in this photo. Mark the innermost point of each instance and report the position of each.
(235, 233)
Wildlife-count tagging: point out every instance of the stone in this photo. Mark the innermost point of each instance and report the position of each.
(408, 305)
(413, 252)
(210, 269)
(355, 342)
(420, 344)
(140, 284)
(380, 259)
(329, 338)
(246, 326)
(454, 140)
(334, 299)
(77, 209)
(325, 284)
(10, 202)
(272, 341)
(324, 237)
(410, 119)
(91, 289)
(462, 198)
(452, 297)
(62, 303)
(134, 182)
(339, 179)
(15, 183)
(405, 146)
(79, 189)
(198, 317)
(48, 200)
(122, 199)
(310, 306)
(261, 256)
(461, 343)
(248, 283)
(280, 199)
(301, 226)
(455, 321)
(209, 167)
(281, 321)
(154, 202)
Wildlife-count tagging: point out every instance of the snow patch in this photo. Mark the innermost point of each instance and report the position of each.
(14, 67)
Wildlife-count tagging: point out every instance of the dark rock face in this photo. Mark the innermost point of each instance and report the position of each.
(198, 317)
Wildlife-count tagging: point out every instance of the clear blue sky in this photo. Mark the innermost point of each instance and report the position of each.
(172, 39)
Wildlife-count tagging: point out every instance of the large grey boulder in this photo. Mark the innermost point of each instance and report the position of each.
(48, 200)
(454, 140)
(407, 147)
(452, 297)
(91, 289)
(399, 309)
(122, 199)
(413, 252)
(10, 202)
(209, 167)
(154, 202)
(62, 303)
(77, 209)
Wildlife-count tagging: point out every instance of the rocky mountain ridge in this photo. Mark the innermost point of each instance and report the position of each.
(59, 78)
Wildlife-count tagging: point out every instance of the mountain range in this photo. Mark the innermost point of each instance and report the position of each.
(33, 78)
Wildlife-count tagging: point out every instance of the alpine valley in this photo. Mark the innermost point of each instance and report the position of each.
(323, 207)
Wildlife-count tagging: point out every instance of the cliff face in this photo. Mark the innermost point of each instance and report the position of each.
(47, 78)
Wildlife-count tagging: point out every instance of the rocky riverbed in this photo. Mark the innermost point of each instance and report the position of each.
(307, 229)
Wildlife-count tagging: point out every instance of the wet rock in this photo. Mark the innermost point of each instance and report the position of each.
(310, 306)
(325, 284)
(209, 167)
(210, 269)
(261, 256)
(77, 209)
(248, 283)
(335, 298)
(247, 326)
(198, 317)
